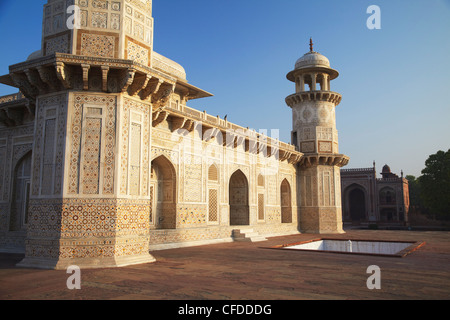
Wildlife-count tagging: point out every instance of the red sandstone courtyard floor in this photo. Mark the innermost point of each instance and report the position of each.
(235, 271)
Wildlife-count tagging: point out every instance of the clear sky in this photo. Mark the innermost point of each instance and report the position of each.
(394, 81)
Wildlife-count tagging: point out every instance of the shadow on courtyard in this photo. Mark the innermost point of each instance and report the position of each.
(9, 260)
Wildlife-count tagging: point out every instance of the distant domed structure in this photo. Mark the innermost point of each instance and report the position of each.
(387, 173)
(367, 199)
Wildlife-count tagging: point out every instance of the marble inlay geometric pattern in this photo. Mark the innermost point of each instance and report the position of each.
(93, 129)
(135, 159)
(98, 45)
(138, 53)
(99, 20)
(91, 156)
(99, 220)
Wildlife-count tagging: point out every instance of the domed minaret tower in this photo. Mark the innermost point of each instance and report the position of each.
(314, 134)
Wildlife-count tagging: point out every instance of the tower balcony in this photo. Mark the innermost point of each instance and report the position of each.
(318, 95)
(311, 160)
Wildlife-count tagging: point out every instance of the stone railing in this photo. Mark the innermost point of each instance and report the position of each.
(223, 123)
(11, 97)
(357, 170)
(389, 179)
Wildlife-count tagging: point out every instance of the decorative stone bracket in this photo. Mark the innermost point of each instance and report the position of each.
(311, 160)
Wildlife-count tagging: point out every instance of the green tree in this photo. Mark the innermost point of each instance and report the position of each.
(414, 192)
(435, 184)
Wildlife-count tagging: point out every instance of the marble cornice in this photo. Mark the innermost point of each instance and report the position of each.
(59, 71)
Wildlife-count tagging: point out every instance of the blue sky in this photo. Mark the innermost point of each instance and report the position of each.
(394, 81)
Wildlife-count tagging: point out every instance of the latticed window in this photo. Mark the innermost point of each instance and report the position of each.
(213, 200)
(213, 210)
(261, 206)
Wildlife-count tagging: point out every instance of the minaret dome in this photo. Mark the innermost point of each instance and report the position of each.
(312, 71)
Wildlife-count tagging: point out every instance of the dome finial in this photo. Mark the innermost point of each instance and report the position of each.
(311, 45)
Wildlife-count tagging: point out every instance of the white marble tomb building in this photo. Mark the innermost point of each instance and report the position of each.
(102, 160)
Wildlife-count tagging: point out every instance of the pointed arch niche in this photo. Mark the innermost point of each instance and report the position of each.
(286, 202)
(21, 194)
(356, 202)
(163, 193)
(238, 196)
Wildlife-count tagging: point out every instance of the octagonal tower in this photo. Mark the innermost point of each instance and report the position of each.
(315, 134)
(109, 29)
(95, 92)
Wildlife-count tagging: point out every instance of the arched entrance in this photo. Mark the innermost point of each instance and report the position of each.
(357, 204)
(163, 193)
(21, 194)
(238, 196)
(286, 202)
